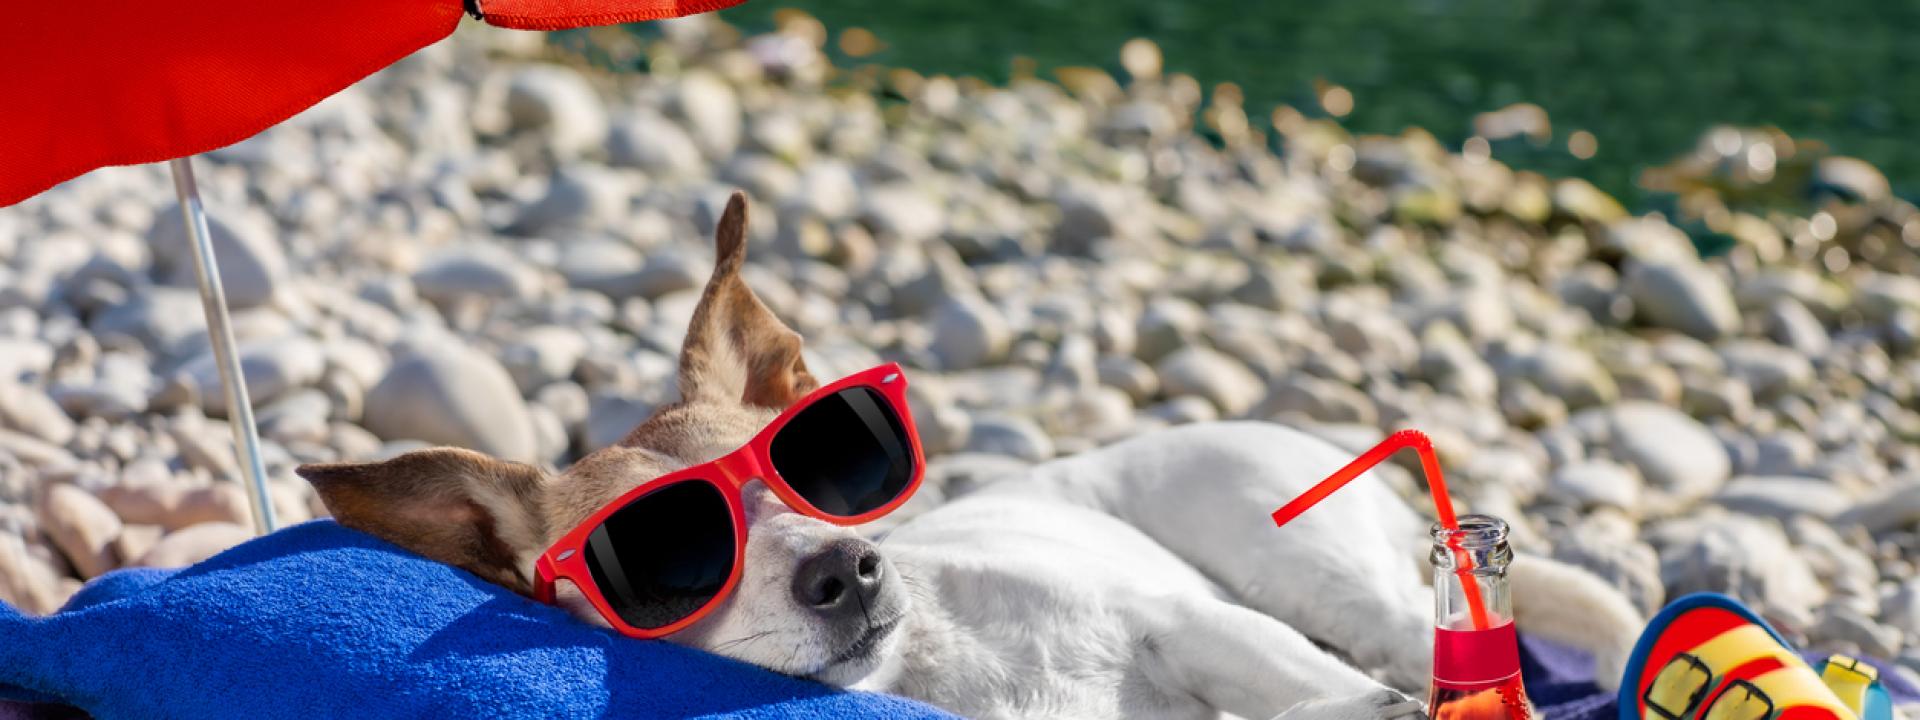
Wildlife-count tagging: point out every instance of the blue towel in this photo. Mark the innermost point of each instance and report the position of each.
(321, 621)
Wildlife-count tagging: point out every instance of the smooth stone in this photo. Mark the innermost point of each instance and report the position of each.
(1716, 396)
(271, 369)
(205, 447)
(1597, 482)
(1853, 179)
(1793, 325)
(1769, 370)
(352, 442)
(664, 273)
(1595, 288)
(1089, 214)
(969, 332)
(1901, 607)
(962, 473)
(1627, 564)
(1167, 324)
(191, 545)
(611, 416)
(292, 499)
(218, 502)
(1222, 380)
(578, 197)
(31, 411)
(1129, 375)
(1837, 625)
(82, 528)
(22, 357)
(1517, 471)
(1675, 453)
(542, 355)
(1783, 453)
(1844, 568)
(1648, 239)
(1183, 409)
(710, 112)
(1653, 383)
(1480, 313)
(167, 321)
(943, 426)
(34, 452)
(655, 144)
(478, 271)
(252, 265)
(1747, 558)
(1375, 336)
(1011, 436)
(1783, 497)
(1895, 506)
(832, 192)
(902, 213)
(26, 581)
(1882, 296)
(452, 395)
(1571, 375)
(560, 105)
(1682, 295)
(1094, 414)
(1317, 399)
(135, 540)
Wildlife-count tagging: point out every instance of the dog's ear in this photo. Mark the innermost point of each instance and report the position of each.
(736, 350)
(456, 506)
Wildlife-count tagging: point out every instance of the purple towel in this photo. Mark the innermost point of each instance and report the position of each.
(1560, 682)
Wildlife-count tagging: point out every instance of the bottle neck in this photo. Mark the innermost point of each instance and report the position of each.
(1480, 543)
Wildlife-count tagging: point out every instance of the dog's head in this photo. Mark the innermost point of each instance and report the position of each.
(814, 599)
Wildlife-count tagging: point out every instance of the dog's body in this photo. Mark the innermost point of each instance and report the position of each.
(1141, 580)
(1150, 582)
(1130, 567)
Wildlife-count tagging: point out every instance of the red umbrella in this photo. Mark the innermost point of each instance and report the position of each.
(91, 83)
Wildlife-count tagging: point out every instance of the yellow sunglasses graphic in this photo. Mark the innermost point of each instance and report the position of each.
(1707, 657)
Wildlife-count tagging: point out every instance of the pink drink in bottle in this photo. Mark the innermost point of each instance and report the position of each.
(1476, 671)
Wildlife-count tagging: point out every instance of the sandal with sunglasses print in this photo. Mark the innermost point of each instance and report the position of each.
(1707, 657)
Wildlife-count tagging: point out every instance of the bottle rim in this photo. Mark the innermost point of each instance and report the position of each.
(1475, 531)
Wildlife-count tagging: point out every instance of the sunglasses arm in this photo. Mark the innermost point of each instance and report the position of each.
(544, 576)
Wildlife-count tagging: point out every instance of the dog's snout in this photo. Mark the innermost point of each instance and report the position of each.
(842, 577)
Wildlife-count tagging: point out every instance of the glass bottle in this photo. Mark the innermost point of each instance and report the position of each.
(1476, 655)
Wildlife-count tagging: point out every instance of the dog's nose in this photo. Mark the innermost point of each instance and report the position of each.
(842, 578)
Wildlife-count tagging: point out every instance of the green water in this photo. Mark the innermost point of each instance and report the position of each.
(1645, 76)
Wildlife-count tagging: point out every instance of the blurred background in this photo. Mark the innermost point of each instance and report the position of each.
(1641, 78)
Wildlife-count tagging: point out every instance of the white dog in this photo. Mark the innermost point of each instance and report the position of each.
(1143, 580)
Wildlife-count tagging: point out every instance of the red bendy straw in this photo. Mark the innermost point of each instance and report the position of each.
(1436, 483)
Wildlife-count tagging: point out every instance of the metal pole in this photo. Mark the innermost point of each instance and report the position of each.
(213, 300)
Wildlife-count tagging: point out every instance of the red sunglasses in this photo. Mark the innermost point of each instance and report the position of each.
(664, 554)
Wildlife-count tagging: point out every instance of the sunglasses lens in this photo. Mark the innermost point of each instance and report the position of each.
(846, 454)
(665, 555)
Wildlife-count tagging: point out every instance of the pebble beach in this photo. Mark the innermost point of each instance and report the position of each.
(497, 245)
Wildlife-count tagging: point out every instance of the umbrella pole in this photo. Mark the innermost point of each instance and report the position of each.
(213, 300)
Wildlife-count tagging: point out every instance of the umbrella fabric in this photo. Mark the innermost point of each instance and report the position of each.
(90, 83)
(318, 620)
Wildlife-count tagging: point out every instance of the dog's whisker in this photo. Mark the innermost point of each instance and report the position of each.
(746, 639)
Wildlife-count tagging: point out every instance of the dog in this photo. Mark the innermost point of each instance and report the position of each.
(1141, 580)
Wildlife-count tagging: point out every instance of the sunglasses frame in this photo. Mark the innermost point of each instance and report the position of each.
(566, 558)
